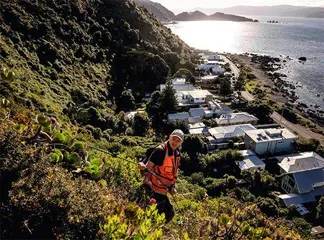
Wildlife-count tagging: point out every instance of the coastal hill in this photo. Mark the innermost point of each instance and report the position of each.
(158, 10)
(218, 16)
(279, 10)
(69, 72)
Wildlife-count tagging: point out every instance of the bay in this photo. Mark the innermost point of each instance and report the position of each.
(293, 37)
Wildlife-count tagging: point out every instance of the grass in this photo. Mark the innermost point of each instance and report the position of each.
(251, 85)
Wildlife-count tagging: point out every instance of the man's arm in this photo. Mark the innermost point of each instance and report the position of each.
(148, 165)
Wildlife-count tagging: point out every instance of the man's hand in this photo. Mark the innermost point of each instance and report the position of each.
(173, 191)
(141, 166)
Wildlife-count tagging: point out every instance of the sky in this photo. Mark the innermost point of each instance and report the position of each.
(190, 4)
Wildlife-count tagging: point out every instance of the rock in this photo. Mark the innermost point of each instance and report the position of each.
(302, 58)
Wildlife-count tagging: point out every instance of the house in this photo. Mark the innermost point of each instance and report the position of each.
(303, 175)
(178, 116)
(211, 67)
(208, 79)
(197, 112)
(223, 134)
(236, 118)
(130, 115)
(197, 96)
(199, 131)
(219, 108)
(251, 162)
(318, 231)
(214, 58)
(176, 81)
(269, 141)
(179, 87)
(194, 120)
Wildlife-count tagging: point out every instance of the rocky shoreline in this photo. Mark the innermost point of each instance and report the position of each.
(271, 67)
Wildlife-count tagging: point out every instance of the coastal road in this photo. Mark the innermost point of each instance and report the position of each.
(246, 95)
(295, 128)
(235, 69)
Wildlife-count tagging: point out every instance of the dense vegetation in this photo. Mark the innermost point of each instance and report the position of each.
(68, 153)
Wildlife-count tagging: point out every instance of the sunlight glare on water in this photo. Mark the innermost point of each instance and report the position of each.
(206, 35)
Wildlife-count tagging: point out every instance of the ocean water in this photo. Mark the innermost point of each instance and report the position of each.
(293, 37)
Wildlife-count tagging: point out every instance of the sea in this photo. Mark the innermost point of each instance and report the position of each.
(293, 37)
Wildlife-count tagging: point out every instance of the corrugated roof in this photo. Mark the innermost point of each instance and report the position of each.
(306, 179)
(174, 116)
(293, 199)
(236, 118)
(194, 112)
(230, 131)
(301, 162)
(251, 162)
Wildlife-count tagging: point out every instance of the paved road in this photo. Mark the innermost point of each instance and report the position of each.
(296, 128)
(246, 95)
(234, 69)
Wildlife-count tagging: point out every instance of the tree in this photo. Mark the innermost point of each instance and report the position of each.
(303, 144)
(239, 83)
(141, 125)
(225, 87)
(261, 110)
(320, 209)
(126, 101)
(168, 102)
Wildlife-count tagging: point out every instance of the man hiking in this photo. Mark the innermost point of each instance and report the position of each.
(162, 171)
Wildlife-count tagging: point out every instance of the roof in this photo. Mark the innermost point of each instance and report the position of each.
(302, 162)
(305, 180)
(198, 131)
(317, 230)
(179, 87)
(268, 135)
(209, 77)
(293, 198)
(175, 116)
(230, 131)
(197, 125)
(131, 114)
(178, 80)
(251, 162)
(301, 209)
(194, 119)
(194, 112)
(246, 153)
(199, 93)
(232, 118)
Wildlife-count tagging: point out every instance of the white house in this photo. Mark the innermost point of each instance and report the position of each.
(303, 177)
(208, 79)
(250, 162)
(179, 87)
(214, 58)
(236, 118)
(213, 67)
(178, 116)
(176, 81)
(269, 141)
(223, 134)
(197, 96)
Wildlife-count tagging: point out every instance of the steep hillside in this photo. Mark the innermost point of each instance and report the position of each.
(59, 49)
(69, 154)
(158, 10)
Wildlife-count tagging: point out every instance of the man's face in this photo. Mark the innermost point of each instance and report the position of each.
(175, 142)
